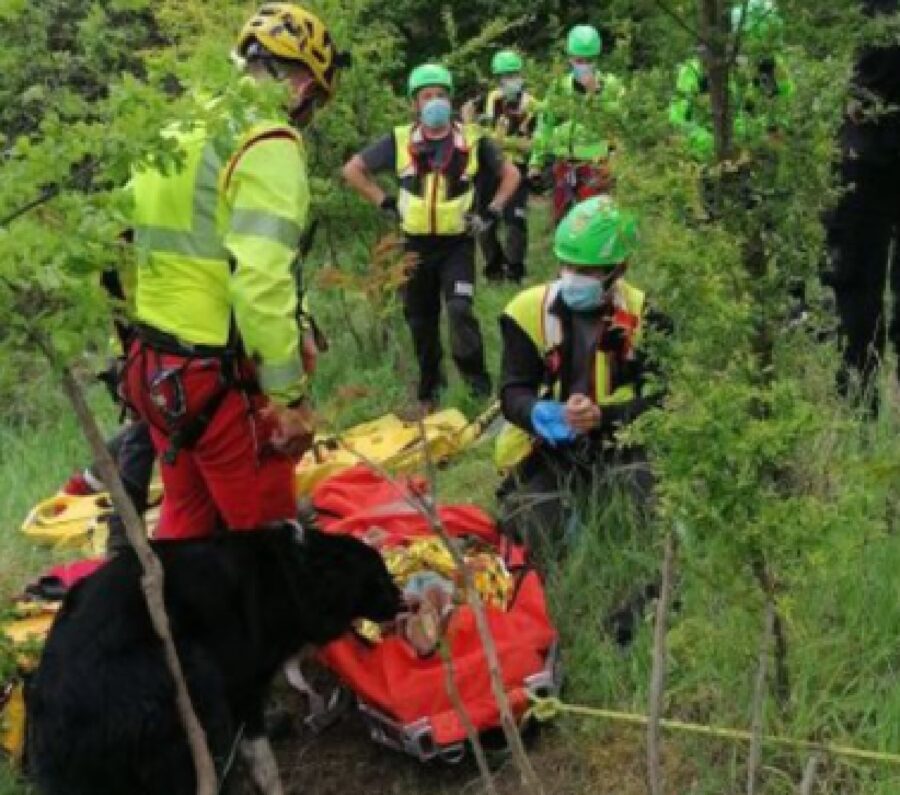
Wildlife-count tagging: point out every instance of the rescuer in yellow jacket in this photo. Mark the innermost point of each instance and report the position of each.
(217, 369)
(509, 114)
(572, 374)
(439, 166)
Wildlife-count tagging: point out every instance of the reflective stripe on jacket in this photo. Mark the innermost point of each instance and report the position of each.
(436, 201)
(531, 311)
(216, 240)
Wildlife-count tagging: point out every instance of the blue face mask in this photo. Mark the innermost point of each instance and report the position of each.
(581, 293)
(436, 113)
(582, 70)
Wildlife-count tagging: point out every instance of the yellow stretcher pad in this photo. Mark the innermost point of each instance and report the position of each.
(389, 442)
(68, 522)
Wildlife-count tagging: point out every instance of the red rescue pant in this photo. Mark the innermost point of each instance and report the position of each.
(574, 182)
(232, 475)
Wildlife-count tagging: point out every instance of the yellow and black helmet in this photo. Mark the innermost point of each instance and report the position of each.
(288, 32)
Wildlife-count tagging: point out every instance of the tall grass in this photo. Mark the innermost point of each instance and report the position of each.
(842, 613)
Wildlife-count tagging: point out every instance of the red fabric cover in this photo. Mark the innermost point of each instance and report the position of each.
(390, 676)
(70, 574)
(575, 182)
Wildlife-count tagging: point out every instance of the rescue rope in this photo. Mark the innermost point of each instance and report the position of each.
(545, 709)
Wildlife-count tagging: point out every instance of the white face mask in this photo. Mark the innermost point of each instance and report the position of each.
(512, 87)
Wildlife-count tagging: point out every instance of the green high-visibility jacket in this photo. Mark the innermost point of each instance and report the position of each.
(568, 126)
(216, 240)
(756, 108)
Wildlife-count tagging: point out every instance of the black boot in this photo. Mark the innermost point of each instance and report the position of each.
(495, 270)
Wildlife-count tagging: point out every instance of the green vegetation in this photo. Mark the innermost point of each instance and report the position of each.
(776, 491)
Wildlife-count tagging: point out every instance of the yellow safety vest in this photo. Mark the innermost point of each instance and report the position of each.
(216, 241)
(512, 141)
(436, 202)
(530, 310)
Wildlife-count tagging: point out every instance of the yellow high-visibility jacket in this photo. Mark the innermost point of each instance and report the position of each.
(531, 311)
(216, 240)
(435, 202)
(512, 129)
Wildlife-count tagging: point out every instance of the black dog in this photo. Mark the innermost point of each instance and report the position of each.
(101, 705)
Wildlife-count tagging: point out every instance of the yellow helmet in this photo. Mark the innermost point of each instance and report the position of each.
(287, 31)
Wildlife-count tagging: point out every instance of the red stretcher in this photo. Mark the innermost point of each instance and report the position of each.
(403, 695)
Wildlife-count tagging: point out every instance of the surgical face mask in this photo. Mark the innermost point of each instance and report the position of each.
(512, 87)
(581, 293)
(582, 71)
(436, 113)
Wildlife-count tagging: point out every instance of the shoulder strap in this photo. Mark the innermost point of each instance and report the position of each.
(551, 325)
(403, 138)
(278, 133)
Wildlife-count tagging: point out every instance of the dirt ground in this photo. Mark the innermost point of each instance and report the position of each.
(343, 760)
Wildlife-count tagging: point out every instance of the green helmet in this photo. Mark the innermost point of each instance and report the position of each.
(506, 62)
(595, 232)
(762, 22)
(429, 74)
(584, 42)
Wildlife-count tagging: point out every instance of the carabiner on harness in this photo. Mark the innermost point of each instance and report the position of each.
(166, 390)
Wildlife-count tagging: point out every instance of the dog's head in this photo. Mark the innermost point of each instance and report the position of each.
(349, 579)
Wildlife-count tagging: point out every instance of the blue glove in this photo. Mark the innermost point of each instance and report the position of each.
(549, 420)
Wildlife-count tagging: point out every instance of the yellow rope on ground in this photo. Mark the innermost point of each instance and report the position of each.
(544, 709)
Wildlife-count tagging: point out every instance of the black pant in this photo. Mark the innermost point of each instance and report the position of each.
(515, 216)
(553, 491)
(132, 449)
(446, 266)
(862, 232)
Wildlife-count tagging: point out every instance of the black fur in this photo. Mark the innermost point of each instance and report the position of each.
(101, 713)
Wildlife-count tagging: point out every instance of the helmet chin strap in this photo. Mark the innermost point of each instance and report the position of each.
(302, 113)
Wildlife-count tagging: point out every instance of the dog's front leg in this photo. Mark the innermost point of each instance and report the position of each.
(258, 754)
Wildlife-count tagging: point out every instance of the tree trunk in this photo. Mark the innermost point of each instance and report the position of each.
(714, 29)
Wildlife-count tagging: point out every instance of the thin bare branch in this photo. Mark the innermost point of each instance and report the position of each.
(471, 732)
(152, 581)
(810, 772)
(427, 508)
(759, 699)
(658, 675)
(738, 36)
